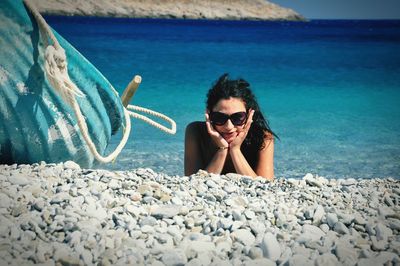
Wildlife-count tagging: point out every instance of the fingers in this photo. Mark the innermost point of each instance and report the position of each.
(249, 120)
(208, 124)
(210, 128)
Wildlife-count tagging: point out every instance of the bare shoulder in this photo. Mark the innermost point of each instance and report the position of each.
(268, 140)
(195, 127)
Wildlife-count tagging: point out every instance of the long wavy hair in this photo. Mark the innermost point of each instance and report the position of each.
(225, 88)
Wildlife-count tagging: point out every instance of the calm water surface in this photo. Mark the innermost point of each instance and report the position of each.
(330, 89)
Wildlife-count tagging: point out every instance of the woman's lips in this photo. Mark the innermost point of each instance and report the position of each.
(229, 136)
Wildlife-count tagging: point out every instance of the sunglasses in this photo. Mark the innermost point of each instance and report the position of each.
(219, 119)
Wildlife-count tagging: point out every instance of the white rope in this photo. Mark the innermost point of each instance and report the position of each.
(56, 67)
(171, 130)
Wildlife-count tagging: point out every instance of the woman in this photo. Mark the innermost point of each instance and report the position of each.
(235, 137)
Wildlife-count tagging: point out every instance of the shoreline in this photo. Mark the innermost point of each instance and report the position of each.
(177, 9)
(61, 213)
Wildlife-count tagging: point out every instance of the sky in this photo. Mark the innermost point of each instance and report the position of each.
(344, 9)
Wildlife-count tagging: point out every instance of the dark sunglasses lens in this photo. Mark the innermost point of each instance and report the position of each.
(218, 118)
(238, 119)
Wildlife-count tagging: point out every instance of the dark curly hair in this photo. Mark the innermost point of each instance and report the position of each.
(225, 88)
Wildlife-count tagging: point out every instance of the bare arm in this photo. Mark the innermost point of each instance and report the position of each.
(192, 159)
(218, 161)
(265, 166)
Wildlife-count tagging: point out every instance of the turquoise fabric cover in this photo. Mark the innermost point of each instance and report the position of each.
(35, 124)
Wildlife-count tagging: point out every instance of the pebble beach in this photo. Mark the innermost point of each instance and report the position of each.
(61, 214)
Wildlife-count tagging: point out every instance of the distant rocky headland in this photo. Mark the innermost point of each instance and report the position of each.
(181, 9)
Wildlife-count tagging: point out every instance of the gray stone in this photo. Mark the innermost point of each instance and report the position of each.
(318, 214)
(341, 228)
(255, 253)
(326, 259)
(299, 260)
(259, 262)
(270, 247)
(148, 220)
(312, 181)
(257, 227)
(5, 201)
(71, 165)
(382, 232)
(346, 254)
(244, 236)
(165, 211)
(314, 232)
(331, 219)
(19, 180)
(175, 257)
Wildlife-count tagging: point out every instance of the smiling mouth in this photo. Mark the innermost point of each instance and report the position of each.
(227, 136)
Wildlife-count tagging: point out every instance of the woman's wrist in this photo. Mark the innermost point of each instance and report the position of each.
(234, 149)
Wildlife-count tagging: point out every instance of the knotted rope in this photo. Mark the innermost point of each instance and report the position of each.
(56, 66)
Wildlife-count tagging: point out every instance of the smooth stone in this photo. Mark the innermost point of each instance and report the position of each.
(358, 219)
(326, 259)
(225, 223)
(255, 253)
(177, 201)
(315, 232)
(394, 224)
(211, 184)
(309, 213)
(230, 189)
(270, 247)
(299, 260)
(257, 227)
(97, 212)
(249, 214)
(331, 219)
(310, 180)
(378, 245)
(148, 220)
(165, 211)
(244, 236)
(387, 212)
(324, 228)
(349, 182)
(383, 258)
(5, 201)
(345, 218)
(60, 197)
(341, 228)
(382, 232)
(318, 214)
(174, 257)
(147, 229)
(114, 184)
(259, 262)
(236, 225)
(71, 165)
(19, 180)
(346, 254)
(198, 247)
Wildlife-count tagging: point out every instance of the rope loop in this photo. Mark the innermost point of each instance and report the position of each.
(171, 130)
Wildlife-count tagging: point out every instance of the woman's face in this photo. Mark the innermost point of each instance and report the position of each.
(229, 106)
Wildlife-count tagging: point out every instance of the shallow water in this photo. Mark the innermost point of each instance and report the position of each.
(330, 89)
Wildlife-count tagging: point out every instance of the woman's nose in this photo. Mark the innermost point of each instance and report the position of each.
(228, 124)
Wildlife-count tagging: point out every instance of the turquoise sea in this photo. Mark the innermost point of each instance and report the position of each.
(329, 88)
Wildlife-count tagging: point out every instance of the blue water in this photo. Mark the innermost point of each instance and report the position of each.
(330, 89)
